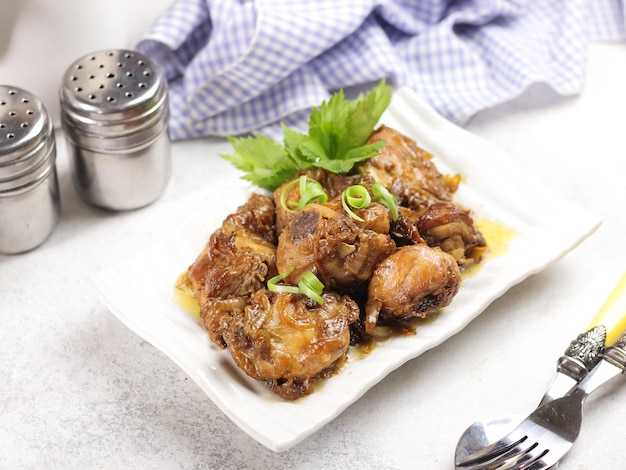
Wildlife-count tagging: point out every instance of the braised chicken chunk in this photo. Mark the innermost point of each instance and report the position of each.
(289, 340)
(452, 229)
(427, 212)
(414, 282)
(404, 230)
(378, 260)
(443, 224)
(331, 183)
(328, 242)
(239, 256)
(407, 171)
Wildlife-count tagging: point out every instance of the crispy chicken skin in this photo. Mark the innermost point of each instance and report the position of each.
(289, 340)
(407, 171)
(414, 282)
(328, 242)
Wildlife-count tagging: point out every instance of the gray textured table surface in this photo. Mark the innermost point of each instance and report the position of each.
(80, 390)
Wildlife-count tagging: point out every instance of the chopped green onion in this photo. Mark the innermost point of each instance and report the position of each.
(358, 197)
(355, 196)
(273, 286)
(310, 191)
(309, 285)
(283, 197)
(386, 198)
(312, 287)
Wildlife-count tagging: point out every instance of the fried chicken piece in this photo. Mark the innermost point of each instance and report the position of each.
(289, 340)
(323, 239)
(414, 282)
(407, 171)
(239, 256)
(452, 229)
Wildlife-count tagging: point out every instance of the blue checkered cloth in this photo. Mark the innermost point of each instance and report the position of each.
(240, 66)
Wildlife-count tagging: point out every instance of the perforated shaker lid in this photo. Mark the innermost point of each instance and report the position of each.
(23, 123)
(26, 138)
(111, 91)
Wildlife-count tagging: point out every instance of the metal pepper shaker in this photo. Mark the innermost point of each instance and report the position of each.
(29, 189)
(115, 113)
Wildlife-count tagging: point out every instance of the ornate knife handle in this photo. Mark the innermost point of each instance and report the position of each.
(584, 353)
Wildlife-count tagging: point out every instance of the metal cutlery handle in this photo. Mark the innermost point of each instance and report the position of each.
(612, 364)
(616, 354)
(579, 358)
(584, 353)
(612, 314)
(586, 365)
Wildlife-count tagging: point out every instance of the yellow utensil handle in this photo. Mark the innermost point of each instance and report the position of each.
(612, 314)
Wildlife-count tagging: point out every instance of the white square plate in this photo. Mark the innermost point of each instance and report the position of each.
(140, 291)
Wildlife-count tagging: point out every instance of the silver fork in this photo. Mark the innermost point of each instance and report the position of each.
(580, 357)
(548, 433)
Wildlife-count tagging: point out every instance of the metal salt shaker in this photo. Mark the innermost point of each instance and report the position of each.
(29, 189)
(115, 113)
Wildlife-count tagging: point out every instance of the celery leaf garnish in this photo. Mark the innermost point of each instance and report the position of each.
(336, 141)
(263, 161)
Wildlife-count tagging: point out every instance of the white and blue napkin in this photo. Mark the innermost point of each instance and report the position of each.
(240, 66)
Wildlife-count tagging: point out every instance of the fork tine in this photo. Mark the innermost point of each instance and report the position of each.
(506, 460)
(540, 465)
(547, 456)
(507, 445)
(519, 447)
(542, 454)
(548, 460)
(526, 459)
